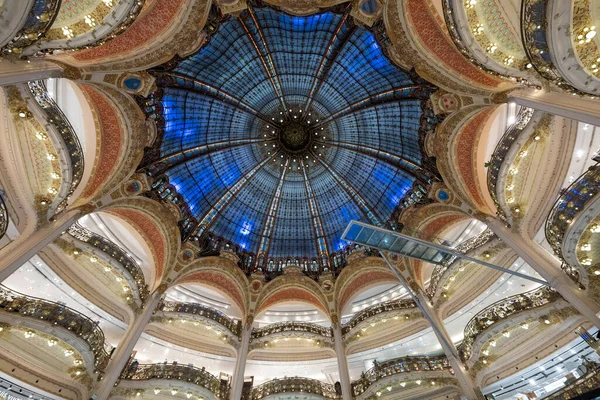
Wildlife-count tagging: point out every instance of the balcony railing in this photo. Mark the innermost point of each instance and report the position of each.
(115, 252)
(67, 140)
(583, 385)
(180, 372)
(304, 327)
(235, 327)
(463, 248)
(295, 385)
(363, 315)
(571, 202)
(59, 315)
(398, 366)
(499, 155)
(3, 217)
(502, 310)
(39, 20)
(534, 26)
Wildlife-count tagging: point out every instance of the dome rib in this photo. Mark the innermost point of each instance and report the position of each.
(183, 82)
(260, 45)
(342, 34)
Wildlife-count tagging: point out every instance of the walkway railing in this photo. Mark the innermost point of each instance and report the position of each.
(464, 248)
(502, 310)
(295, 385)
(39, 20)
(363, 315)
(114, 251)
(281, 327)
(583, 385)
(398, 366)
(3, 217)
(180, 372)
(235, 327)
(68, 144)
(570, 203)
(59, 315)
(499, 155)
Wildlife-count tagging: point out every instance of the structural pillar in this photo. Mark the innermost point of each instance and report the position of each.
(240, 363)
(123, 352)
(19, 251)
(340, 352)
(548, 267)
(470, 391)
(562, 104)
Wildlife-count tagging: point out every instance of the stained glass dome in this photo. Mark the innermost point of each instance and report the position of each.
(281, 129)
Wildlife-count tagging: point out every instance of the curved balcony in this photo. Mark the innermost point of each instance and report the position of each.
(65, 141)
(113, 255)
(197, 311)
(534, 33)
(111, 22)
(39, 20)
(501, 310)
(504, 152)
(3, 217)
(176, 372)
(566, 217)
(442, 271)
(294, 385)
(291, 327)
(457, 22)
(403, 365)
(392, 306)
(62, 316)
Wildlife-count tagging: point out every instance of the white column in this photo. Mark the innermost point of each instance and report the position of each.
(562, 104)
(240, 364)
(123, 352)
(12, 73)
(548, 267)
(470, 390)
(340, 352)
(19, 251)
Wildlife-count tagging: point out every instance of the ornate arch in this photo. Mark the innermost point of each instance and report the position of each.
(429, 222)
(292, 287)
(360, 275)
(122, 136)
(221, 274)
(156, 225)
(456, 145)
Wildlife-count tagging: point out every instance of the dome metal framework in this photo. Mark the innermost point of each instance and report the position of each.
(281, 129)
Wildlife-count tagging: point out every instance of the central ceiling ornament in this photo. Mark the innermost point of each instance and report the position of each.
(281, 129)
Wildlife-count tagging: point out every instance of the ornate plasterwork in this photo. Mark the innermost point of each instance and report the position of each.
(157, 227)
(455, 146)
(359, 275)
(221, 274)
(42, 161)
(167, 28)
(403, 52)
(427, 35)
(120, 140)
(303, 7)
(292, 286)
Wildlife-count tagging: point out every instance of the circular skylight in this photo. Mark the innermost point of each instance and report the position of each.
(281, 129)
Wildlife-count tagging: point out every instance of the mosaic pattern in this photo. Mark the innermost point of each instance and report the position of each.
(281, 129)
